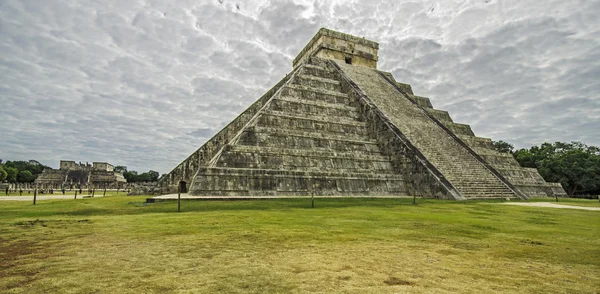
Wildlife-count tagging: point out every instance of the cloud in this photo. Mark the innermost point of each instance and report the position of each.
(145, 83)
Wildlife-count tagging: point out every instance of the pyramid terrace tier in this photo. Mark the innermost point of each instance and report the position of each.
(264, 182)
(316, 70)
(312, 123)
(315, 94)
(313, 160)
(311, 107)
(297, 139)
(318, 82)
(477, 142)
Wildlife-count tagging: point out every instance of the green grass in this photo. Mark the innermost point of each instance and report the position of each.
(118, 244)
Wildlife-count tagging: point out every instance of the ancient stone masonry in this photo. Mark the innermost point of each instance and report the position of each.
(337, 126)
(75, 175)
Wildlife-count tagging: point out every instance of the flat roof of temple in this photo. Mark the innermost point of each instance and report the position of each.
(334, 34)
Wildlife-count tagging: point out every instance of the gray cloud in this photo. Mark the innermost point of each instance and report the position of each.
(145, 83)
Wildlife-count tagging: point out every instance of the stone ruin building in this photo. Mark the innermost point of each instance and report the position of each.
(73, 175)
(335, 125)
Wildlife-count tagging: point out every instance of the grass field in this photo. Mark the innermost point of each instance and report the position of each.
(118, 244)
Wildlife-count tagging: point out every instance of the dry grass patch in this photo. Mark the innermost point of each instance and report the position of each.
(117, 245)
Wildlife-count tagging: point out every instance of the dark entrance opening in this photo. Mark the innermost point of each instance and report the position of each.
(182, 187)
(349, 60)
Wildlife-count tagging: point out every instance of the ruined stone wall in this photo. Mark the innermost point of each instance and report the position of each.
(144, 188)
(103, 166)
(51, 176)
(105, 177)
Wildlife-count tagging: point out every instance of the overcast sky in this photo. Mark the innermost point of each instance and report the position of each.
(144, 83)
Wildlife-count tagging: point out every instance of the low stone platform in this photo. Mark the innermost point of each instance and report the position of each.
(186, 196)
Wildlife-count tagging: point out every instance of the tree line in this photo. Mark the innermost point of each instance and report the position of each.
(132, 176)
(28, 171)
(20, 171)
(575, 165)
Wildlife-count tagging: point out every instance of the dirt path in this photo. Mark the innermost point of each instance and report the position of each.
(553, 205)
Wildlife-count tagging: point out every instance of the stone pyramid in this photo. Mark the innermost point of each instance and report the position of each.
(335, 125)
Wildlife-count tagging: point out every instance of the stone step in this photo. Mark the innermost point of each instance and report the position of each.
(315, 152)
(440, 115)
(320, 124)
(529, 182)
(469, 193)
(421, 101)
(315, 70)
(312, 102)
(317, 82)
(490, 196)
(476, 186)
(458, 128)
(294, 139)
(467, 188)
(315, 94)
(282, 131)
(480, 178)
(490, 152)
(315, 118)
(470, 174)
(300, 106)
(478, 183)
(509, 167)
(477, 142)
(306, 163)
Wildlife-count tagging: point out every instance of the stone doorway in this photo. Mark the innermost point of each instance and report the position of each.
(182, 187)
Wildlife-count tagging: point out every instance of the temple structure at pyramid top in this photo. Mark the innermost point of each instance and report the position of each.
(337, 126)
(334, 45)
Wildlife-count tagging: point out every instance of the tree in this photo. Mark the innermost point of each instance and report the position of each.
(133, 176)
(120, 169)
(25, 176)
(130, 176)
(575, 165)
(153, 175)
(34, 166)
(503, 147)
(3, 174)
(143, 177)
(11, 173)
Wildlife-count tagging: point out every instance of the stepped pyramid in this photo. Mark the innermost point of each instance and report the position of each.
(336, 125)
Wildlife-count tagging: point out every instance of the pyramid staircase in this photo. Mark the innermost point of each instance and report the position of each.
(528, 181)
(467, 173)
